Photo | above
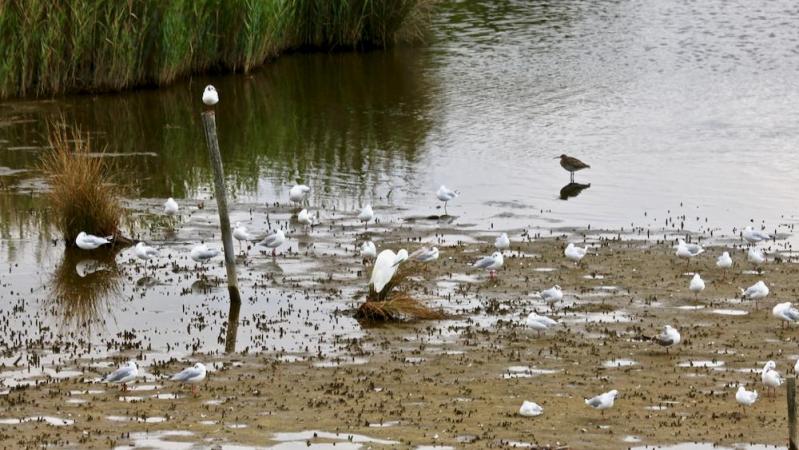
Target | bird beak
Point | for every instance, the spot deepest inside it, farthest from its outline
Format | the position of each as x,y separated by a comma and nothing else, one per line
557,157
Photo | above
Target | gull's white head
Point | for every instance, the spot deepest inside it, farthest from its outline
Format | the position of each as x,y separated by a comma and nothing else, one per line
614,393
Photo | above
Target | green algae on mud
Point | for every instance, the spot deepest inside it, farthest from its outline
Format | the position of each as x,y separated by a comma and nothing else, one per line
56,47
467,378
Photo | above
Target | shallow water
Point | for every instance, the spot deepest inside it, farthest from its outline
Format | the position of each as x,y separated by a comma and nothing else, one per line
686,113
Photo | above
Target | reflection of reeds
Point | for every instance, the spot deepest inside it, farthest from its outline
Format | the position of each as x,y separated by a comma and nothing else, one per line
83,300
51,47
81,195
388,305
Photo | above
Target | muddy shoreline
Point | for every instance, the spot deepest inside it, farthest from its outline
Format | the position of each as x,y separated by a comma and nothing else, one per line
461,383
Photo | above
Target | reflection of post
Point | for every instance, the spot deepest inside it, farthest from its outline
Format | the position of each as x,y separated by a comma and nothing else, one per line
209,121
792,413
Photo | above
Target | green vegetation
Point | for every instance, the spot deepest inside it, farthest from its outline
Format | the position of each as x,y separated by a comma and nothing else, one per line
58,46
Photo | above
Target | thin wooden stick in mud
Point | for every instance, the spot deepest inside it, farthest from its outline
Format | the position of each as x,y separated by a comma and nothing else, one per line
209,122
792,413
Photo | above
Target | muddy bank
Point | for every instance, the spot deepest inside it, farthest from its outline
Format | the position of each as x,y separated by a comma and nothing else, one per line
460,383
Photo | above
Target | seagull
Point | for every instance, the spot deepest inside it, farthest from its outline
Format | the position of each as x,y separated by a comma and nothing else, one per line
602,401
298,193
755,256
303,217
756,291
145,252
91,242
191,375
123,375
490,263
553,294
366,215
502,242
669,337
445,195
241,234
425,254
697,285
572,165
530,409
202,254
210,96
744,397
688,250
785,312
368,250
539,323
273,240
724,261
171,207
384,269
575,253
753,236
771,378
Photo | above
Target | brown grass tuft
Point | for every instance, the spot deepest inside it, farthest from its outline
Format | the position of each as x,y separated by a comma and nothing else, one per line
81,196
400,306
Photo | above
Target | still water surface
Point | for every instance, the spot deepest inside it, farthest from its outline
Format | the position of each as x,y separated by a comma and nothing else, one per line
679,107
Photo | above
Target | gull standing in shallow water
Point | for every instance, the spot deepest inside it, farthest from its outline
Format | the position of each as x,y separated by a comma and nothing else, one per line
210,96
191,375
299,193
688,251
602,401
785,312
755,292
202,254
91,242
145,252
123,375
368,250
425,254
539,323
304,217
502,242
696,285
171,207
366,215
770,377
575,253
273,240
744,397
490,263
240,233
445,195
669,337
553,294
753,236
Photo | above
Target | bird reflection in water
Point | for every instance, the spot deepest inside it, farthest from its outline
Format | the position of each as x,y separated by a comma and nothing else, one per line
572,190
83,286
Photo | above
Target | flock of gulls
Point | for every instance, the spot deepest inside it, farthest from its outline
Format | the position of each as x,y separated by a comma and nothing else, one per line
386,263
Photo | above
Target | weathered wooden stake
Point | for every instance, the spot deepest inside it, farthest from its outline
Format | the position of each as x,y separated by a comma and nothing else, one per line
209,122
792,413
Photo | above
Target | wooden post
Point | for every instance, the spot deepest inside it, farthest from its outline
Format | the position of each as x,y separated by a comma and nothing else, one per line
792,413
209,122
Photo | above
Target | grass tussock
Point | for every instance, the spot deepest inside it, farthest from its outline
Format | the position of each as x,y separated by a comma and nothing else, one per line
390,305
58,46
81,195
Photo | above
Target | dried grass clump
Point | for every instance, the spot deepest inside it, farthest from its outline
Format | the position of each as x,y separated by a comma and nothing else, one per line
81,196
387,305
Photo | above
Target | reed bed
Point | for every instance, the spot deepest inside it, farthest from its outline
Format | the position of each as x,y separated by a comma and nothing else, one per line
82,196
60,46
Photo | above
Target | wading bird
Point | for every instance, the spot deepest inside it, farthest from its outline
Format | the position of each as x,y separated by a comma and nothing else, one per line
91,242
273,240
602,401
696,285
490,263
123,375
299,193
240,233
445,195
145,252
753,236
191,375
744,397
574,253
539,323
572,165
553,294
502,242
786,313
366,215
171,207
384,269
669,337
770,377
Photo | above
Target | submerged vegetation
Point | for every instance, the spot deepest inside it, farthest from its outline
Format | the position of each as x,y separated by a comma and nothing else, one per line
81,194
58,46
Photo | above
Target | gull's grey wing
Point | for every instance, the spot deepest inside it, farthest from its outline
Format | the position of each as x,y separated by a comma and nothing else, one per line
122,372
594,402
186,374
484,262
